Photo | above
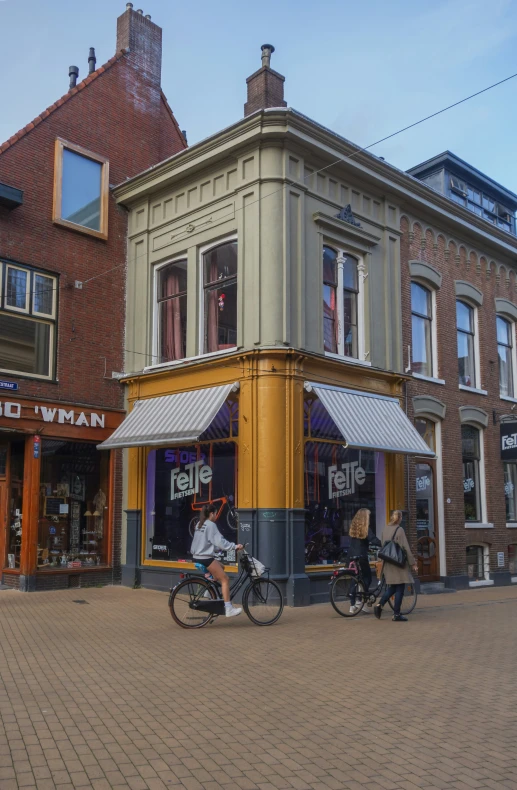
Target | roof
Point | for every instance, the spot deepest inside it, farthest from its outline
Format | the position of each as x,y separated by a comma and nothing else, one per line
448,159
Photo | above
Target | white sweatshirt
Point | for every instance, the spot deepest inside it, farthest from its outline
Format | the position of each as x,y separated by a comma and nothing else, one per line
207,540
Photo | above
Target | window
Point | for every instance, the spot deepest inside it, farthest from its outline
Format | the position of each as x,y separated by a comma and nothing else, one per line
471,455
466,348
481,204
81,188
220,298
505,333
421,328
510,491
171,296
512,558
27,321
478,563
340,303
427,429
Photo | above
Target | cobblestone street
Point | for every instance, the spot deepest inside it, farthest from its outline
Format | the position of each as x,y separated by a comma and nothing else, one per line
110,693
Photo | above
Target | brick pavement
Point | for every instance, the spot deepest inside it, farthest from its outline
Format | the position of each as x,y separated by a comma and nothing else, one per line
112,694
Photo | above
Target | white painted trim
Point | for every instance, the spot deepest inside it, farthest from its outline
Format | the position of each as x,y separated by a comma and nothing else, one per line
482,583
478,524
352,360
440,525
27,272
154,317
472,389
482,480
434,335
428,378
507,398
201,301
177,362
477,365
511,525
513,579
362,273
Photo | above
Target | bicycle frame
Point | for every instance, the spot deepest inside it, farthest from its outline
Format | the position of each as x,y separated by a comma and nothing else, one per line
217,606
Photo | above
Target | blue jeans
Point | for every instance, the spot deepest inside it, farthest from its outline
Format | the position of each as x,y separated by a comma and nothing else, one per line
398,591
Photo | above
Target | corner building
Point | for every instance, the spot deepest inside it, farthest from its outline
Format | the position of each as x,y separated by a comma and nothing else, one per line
266,297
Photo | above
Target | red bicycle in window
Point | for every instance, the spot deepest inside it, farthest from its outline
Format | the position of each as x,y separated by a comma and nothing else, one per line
221,502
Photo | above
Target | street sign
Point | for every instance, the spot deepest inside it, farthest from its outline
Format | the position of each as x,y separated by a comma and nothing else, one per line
8,385
508,444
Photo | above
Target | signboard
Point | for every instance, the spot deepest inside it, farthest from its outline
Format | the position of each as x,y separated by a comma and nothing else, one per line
8,385
37,446
500,559
508,444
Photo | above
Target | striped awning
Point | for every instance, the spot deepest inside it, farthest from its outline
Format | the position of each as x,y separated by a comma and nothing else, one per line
169,419
370,422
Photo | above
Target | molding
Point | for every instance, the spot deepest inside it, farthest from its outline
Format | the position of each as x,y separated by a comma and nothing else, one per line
478,525
468,291
475,390
427,404
474,416
423,271
506,309
430,379
362,239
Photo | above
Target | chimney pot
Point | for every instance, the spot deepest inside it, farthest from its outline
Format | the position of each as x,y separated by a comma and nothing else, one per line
142,38
129,6
73,73
267,51
92,60
139,11
184,133
148,16
265,86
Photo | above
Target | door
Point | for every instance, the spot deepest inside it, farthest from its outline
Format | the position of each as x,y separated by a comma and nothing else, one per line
427,538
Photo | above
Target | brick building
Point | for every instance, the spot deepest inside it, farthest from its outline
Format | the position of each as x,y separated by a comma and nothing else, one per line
63,254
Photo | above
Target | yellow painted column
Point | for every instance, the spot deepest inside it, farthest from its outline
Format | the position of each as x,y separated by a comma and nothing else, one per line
395,491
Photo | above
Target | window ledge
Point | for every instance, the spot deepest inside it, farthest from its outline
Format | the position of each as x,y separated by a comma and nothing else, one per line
472,389
352,360
507,397
482,583
428,378
175,362
511,525
479,525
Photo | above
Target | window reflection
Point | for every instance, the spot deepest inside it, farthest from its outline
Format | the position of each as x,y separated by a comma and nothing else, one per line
81,190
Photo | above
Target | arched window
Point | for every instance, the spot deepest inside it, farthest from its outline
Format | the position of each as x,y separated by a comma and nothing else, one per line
421,330
426,429
220,297
171,294
505,334
465,326
471,455
340,303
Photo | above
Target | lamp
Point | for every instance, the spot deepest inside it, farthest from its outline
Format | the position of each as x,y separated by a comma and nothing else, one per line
96,513
87,513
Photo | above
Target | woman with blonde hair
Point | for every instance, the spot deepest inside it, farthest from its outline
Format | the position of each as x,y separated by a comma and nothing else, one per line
396,578
361,538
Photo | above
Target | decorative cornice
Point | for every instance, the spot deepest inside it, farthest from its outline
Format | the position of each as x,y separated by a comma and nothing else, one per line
361,237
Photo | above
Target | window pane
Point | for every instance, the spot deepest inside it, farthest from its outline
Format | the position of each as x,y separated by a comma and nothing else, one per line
476,563
474,195
505,371
350,273
420,300
503,331
350,323
471,490
220,317
421,346
457,198
329,265
476,209
469,442
172,279
43,294
464,317
488,203
16,288
490,217
329,319
173,329
24,345
81,190
466,370
426,430
510,491
220,263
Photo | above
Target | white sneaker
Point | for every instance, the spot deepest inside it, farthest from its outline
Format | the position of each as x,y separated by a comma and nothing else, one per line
354,609
233,612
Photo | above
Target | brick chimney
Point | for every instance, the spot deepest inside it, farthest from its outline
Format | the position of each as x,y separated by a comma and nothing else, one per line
143,38
265,86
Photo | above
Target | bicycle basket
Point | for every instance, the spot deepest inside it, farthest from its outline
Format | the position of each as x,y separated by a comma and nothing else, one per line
257,568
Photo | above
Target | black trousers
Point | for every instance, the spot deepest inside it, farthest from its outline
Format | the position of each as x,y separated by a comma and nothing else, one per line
398,591
366,573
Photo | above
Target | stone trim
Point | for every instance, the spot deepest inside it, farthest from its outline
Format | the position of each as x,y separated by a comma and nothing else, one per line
424,405
505,308
423,271
474,416
468,291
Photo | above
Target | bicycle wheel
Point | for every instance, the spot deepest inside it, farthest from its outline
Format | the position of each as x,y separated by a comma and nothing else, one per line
408,601
341,594
192,525
263,602
181,598
232,519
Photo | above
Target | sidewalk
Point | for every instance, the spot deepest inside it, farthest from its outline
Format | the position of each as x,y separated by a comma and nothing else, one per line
110,693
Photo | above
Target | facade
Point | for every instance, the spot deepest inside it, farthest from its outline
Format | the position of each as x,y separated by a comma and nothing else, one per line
62,259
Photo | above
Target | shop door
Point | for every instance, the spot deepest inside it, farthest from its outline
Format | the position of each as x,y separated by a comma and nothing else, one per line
427,538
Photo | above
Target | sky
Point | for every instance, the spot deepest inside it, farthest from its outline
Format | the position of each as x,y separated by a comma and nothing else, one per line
363,69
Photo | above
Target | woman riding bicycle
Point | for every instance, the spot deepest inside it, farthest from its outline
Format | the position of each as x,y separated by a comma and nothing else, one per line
206,544
362,538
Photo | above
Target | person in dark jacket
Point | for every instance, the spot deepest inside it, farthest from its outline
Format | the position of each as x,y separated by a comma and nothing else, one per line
361,538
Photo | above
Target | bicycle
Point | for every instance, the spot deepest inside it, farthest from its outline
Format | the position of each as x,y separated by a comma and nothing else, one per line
196,601
348,583
232,518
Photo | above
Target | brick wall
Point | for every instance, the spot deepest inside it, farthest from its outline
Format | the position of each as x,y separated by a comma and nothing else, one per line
265,89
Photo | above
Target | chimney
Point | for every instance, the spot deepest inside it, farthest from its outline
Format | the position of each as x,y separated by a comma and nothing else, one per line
73,73
92,60
137,33
265,86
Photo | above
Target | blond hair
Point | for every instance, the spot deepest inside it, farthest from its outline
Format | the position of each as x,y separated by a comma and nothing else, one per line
396,518
360,524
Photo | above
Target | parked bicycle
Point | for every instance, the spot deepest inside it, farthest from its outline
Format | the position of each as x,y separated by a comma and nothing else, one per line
221,502
348,584
196,601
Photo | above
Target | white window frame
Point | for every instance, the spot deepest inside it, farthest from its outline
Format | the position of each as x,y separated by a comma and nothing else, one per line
25,310
48,316
341,254
483,524
511,398
477,366
487,581
434,332
201,296
156,318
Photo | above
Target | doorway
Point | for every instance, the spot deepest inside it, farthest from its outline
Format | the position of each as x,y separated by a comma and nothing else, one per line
427,538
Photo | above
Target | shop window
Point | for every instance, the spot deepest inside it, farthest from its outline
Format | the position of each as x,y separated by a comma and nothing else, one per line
27,321
421,330
171,296
73,506
505,351
426,428
318,424
471,454
15,503
338,482
478,563
510,491
341,303
180,480
81,189
512,558
465,330
220,298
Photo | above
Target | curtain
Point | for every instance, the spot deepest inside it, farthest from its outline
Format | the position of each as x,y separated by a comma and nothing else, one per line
172,335
212,333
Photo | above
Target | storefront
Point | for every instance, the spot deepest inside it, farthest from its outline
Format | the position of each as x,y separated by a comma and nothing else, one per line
286,460
56,494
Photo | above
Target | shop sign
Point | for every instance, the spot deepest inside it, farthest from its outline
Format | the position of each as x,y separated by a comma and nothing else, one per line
186,483
343,483
509,441
13,411
468,485
8,385
423,482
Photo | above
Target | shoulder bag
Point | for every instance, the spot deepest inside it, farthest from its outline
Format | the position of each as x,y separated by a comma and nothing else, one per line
393,553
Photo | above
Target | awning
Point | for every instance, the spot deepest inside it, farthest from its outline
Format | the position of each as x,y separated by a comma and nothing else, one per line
370,422
170,418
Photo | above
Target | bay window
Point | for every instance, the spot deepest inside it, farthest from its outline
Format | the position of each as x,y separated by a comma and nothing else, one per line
171,294
220,298
341,303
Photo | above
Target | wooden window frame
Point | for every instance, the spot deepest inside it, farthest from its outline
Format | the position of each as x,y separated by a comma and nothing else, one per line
60,146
